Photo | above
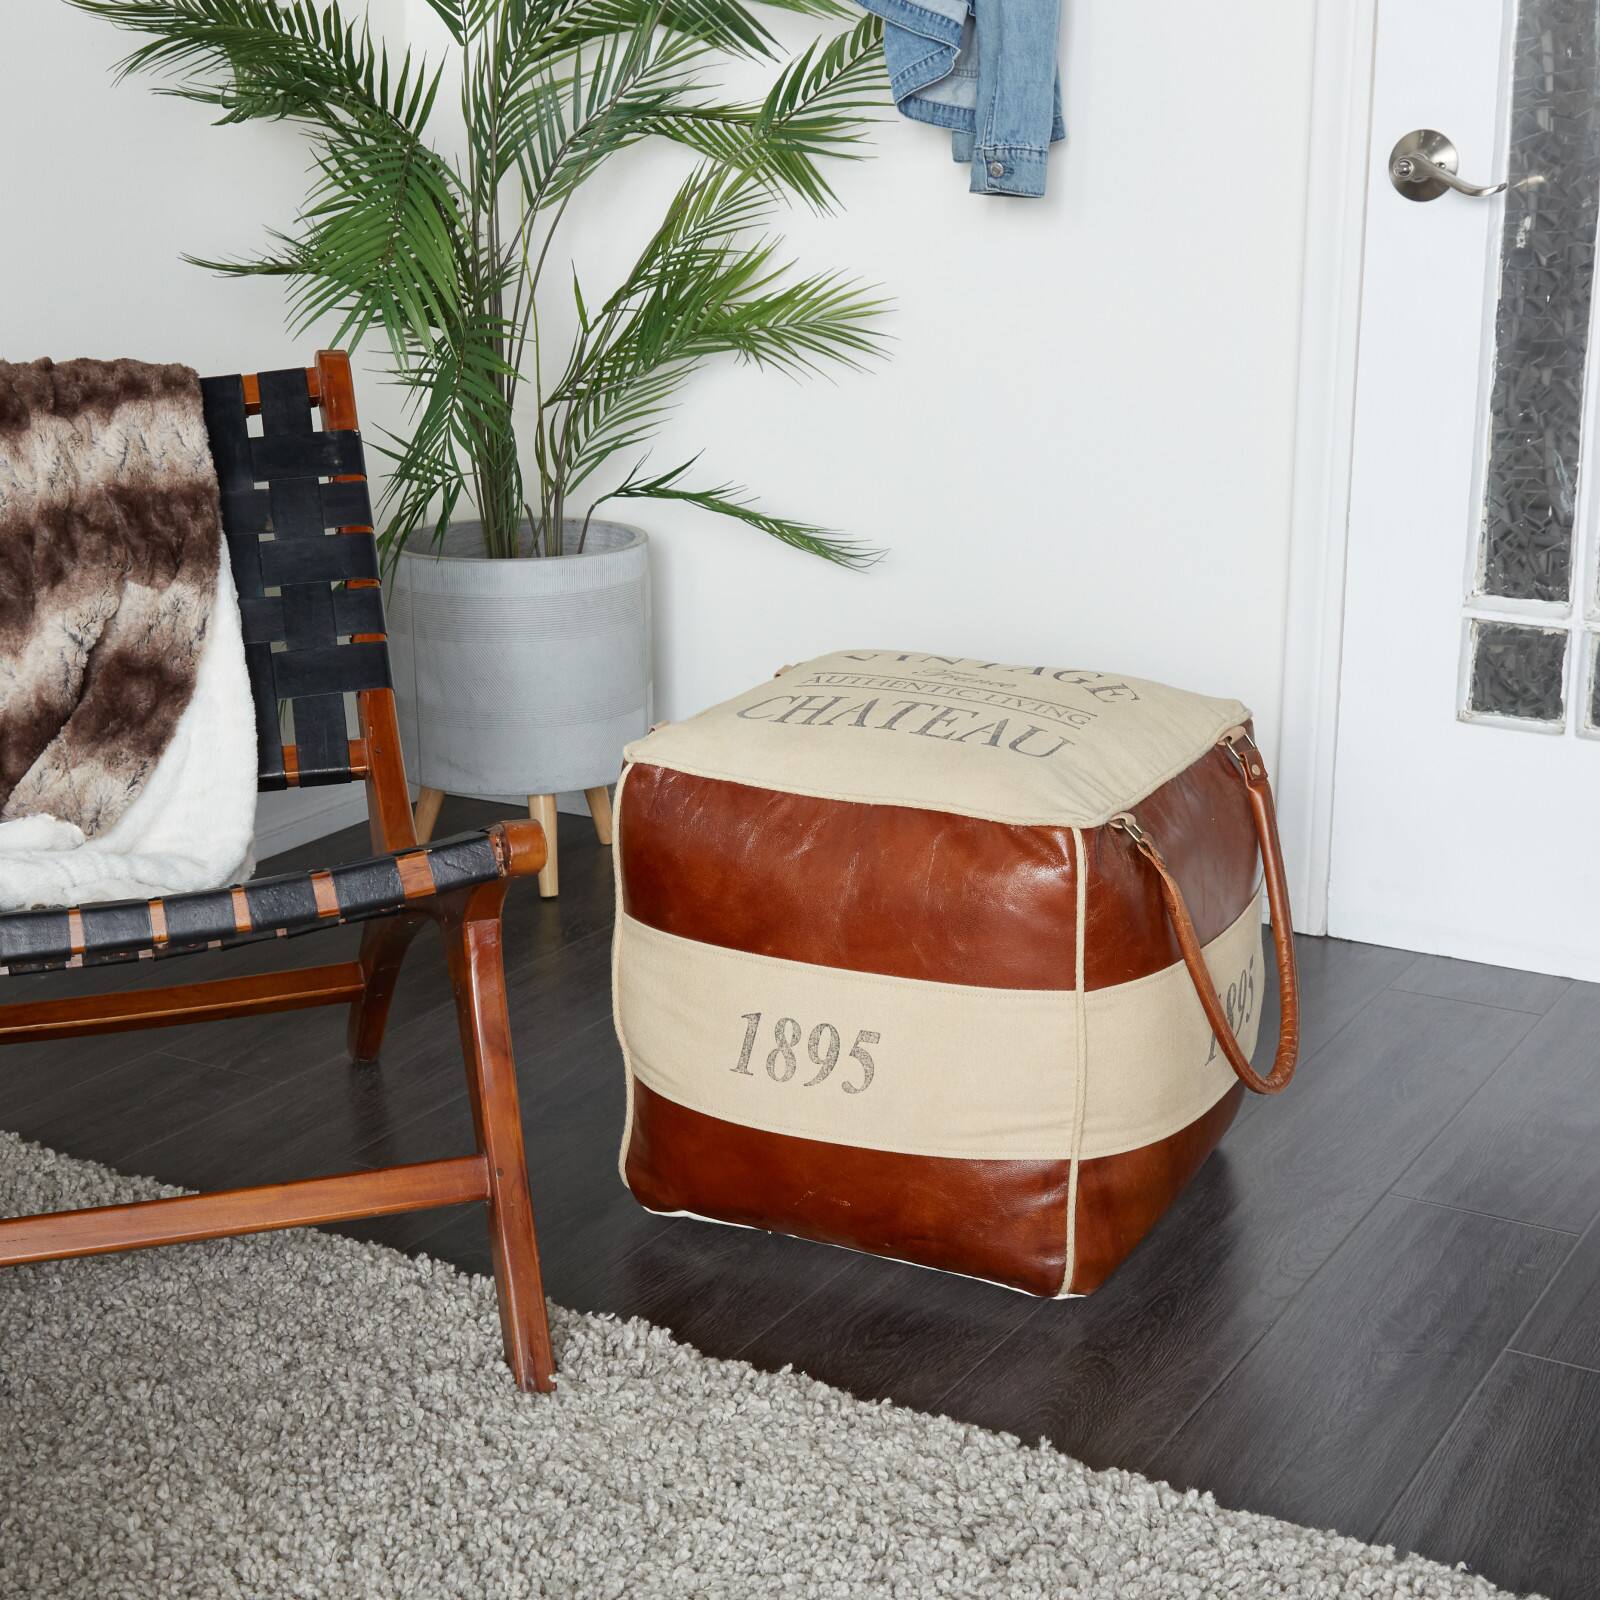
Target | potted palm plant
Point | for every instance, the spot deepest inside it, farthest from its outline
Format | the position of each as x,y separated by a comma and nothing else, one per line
519,618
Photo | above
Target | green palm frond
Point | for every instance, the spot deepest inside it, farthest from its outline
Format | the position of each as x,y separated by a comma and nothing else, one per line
814,113
732,500
712,207
832,10
799,325
256,58
559,128
384,242
450,14
459,402
623,418
725,26
701,286
445,258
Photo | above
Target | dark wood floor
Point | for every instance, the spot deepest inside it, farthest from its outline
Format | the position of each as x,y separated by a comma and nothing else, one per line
1377,1308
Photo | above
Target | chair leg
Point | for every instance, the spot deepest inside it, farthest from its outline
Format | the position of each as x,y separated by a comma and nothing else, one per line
383,949
542,808
600,809
428,803
477,969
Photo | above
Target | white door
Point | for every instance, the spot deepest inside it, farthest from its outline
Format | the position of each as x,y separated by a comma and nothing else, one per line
1466,813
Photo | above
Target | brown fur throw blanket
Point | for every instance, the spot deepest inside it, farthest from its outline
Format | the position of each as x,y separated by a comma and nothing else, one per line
127,735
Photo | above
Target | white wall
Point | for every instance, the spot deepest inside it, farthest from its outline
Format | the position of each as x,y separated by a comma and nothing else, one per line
106,187
1080,449
1078,453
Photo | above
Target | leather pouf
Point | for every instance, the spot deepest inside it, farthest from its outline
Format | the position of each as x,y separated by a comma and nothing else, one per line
944,960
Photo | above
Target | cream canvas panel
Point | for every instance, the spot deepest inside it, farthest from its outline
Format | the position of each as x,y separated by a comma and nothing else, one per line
1039,745
920,1068
1154,1065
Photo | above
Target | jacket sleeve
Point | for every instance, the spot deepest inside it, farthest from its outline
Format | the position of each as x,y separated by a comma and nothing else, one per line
1018,112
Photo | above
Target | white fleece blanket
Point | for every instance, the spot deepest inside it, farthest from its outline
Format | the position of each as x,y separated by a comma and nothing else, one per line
193,824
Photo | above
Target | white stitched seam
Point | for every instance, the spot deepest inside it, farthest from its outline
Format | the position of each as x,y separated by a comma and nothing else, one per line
1080,1087
638,753
616,975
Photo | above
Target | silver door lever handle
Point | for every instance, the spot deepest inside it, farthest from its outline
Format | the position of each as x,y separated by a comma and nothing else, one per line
1422,166
1418,169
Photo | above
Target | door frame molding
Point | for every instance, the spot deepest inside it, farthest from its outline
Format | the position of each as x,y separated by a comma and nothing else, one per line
1330,334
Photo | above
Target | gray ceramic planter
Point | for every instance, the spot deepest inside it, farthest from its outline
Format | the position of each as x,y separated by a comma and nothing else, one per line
523,677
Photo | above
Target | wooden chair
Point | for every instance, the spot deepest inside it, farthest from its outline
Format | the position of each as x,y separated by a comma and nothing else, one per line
312,610
541,807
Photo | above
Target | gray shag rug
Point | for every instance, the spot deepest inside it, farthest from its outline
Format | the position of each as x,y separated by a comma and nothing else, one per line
303,1415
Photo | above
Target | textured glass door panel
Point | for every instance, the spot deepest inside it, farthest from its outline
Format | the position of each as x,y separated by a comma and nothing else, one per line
1518,671
1592,699
1542,317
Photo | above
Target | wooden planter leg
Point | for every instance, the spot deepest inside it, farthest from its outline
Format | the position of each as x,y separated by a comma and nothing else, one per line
542,808
383,949
478,973
428,803
600,809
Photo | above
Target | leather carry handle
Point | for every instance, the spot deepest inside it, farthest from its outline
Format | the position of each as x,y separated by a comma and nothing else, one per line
1253,769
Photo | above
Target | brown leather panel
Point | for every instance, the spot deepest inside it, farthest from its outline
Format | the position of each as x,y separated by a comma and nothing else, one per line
890,889
926,894
416,874
326,895
1001,1220
1122,1197
1202,822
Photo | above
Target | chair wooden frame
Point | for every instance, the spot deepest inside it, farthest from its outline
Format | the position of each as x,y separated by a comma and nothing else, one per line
469,919
542,808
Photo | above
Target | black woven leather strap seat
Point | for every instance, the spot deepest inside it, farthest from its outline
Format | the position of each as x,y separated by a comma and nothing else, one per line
310,605
265,908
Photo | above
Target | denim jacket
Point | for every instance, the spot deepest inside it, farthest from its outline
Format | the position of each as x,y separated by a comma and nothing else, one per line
985,69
